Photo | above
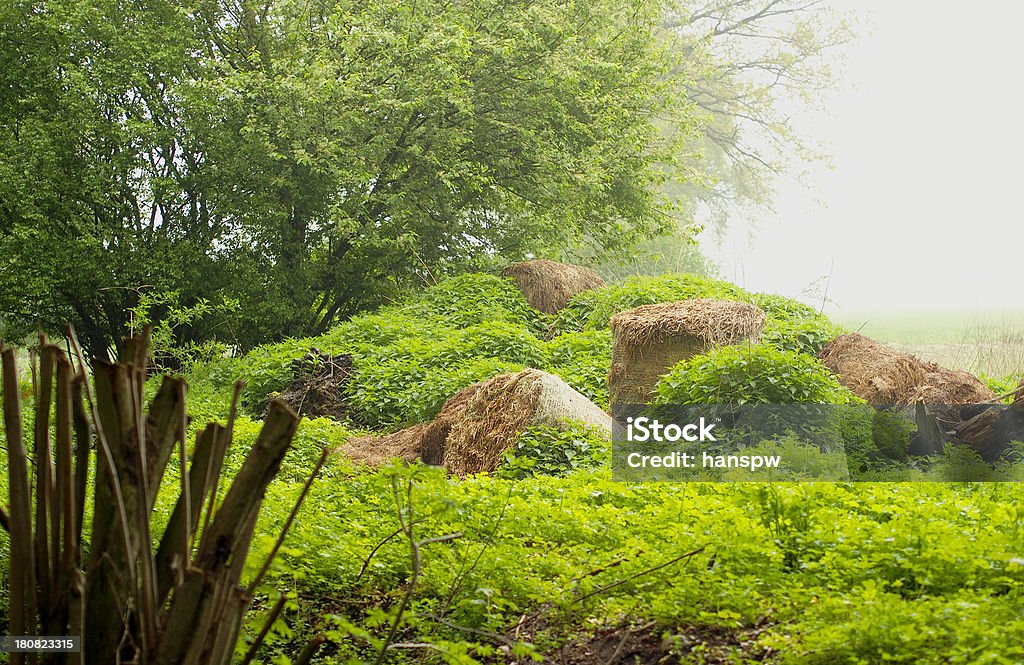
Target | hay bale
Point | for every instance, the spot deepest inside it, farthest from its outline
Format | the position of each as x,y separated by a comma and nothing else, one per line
872,371
549,285
479,423
649,340
882,375
959,387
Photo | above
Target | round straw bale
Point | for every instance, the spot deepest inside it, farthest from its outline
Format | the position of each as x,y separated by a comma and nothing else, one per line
649,340
549,285
480,422
882,375
873,372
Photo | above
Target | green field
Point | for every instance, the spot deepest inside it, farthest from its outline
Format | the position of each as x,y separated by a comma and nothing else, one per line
989,342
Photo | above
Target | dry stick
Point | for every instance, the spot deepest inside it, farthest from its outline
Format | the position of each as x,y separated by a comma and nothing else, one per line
288,522
104,454
464,571
22,585
414,553
186,488
66,545
275,612
306,655
83,439
44,482
640,574
148,602
369,557
228,438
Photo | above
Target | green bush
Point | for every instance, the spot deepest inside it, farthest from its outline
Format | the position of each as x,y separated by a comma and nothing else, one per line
794,326
553,451
808,336
582,359
569,347
751,374
475,298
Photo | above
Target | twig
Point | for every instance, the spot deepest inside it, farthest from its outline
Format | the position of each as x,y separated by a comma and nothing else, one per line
271,618
366,562
640,574
414,555
288,523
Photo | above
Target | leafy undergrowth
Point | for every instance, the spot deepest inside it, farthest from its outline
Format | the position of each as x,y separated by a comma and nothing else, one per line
410,358
559,566
552,559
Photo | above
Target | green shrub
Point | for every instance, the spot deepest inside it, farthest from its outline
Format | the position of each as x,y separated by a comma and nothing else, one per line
751,374
591,310
794,326
382,328
808,336
570,346
475,298
582,359
409,390
498,339
553,451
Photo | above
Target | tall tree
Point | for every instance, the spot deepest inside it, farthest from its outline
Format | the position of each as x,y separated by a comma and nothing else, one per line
305,159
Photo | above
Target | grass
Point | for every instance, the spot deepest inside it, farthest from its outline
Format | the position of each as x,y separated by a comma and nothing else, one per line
989,342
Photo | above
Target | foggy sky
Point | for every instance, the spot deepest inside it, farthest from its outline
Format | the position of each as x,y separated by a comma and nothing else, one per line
923,210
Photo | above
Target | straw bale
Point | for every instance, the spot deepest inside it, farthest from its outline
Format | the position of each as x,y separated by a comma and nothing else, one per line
882,375
548,285
479,423
649,340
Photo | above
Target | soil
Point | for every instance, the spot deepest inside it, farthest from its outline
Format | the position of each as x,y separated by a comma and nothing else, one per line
318,389
649,644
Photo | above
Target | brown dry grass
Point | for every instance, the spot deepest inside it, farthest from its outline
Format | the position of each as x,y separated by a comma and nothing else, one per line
714,322
883,375
549,285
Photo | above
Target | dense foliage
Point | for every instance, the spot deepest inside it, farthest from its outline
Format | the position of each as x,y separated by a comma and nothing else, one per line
292,163
411,357
751,373
551,550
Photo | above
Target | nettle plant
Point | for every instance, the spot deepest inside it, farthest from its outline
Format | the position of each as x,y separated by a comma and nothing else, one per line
751,374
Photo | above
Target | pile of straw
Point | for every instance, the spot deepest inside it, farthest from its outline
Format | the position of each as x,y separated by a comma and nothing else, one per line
649,340
882,375
548,285
479,423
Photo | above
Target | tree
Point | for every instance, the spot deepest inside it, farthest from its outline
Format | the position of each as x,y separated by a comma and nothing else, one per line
307,159
749,65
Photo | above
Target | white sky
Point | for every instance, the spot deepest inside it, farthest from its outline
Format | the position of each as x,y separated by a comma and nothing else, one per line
923,210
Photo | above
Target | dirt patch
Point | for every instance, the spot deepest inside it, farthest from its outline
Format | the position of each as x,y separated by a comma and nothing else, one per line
650,643
318,389
549,285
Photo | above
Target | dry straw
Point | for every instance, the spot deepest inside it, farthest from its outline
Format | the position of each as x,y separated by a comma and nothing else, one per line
548,285
649,340
480,422
882,375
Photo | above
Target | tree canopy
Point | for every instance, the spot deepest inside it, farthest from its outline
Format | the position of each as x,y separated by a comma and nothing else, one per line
305,159
253,169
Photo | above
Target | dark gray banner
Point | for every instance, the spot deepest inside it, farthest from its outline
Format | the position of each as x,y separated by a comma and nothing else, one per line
814,442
